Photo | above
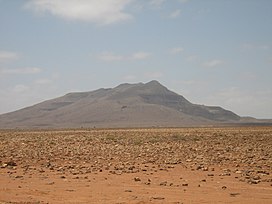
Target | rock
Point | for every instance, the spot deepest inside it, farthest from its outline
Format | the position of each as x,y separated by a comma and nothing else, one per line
51,183
70,190
137,179
147,183
225,174
184,184
11,163
198,167
252,181
41,171
158,198
224,187
256,178
234,194
4,165
163,183
262,172
131,167
119,173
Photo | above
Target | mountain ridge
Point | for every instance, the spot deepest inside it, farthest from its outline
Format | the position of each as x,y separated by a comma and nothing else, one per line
126,105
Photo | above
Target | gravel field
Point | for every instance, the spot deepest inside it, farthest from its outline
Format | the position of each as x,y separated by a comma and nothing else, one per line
112,164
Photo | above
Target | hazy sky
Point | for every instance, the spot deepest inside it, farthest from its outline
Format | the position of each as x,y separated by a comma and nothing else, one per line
213,52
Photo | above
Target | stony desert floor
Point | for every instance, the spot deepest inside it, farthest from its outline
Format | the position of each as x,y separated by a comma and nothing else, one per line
186,165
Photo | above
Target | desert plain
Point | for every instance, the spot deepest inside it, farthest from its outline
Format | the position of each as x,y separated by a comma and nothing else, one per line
152,165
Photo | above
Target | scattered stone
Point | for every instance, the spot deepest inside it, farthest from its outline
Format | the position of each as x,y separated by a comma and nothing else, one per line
225,174
4,165
119,173
262,172
234,194
198,167
224,187
51,183
147,183
158,198
11,163
70,190
247,151
41,171
137,179
256,178
252,181
163,183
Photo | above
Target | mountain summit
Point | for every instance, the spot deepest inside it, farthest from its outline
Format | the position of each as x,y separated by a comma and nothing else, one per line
127,105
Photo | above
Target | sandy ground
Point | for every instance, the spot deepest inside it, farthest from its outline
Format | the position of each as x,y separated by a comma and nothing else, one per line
160,187
25,178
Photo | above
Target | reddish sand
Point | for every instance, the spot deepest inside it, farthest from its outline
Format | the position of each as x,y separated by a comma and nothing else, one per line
158,187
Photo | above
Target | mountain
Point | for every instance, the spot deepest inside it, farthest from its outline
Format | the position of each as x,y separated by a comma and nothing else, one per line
127,105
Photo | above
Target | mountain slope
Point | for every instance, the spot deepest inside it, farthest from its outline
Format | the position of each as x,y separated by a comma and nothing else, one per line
127,105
